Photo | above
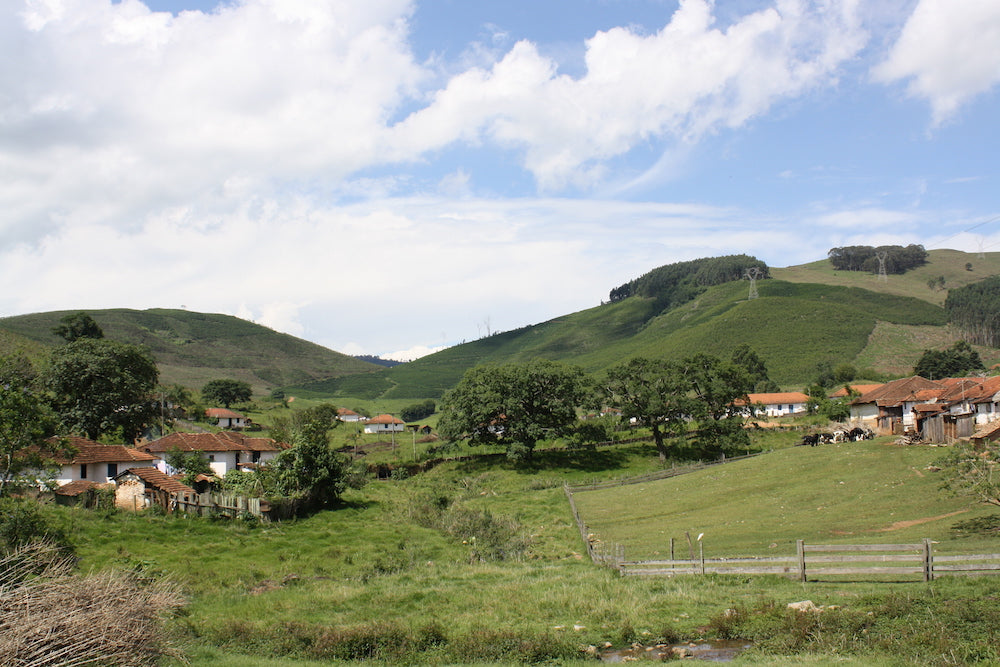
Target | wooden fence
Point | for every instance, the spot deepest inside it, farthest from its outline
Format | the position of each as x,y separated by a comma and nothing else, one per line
208,504
815,562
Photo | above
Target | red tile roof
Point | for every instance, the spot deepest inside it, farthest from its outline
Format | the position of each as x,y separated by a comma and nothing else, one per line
158,479
213,442
778,398
385,419
88,451
222,413
858,388
898,391
76,487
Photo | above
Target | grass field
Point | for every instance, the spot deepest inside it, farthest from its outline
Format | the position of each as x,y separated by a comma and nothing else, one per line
394,575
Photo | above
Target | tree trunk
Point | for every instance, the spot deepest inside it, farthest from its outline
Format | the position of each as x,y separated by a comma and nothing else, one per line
658,439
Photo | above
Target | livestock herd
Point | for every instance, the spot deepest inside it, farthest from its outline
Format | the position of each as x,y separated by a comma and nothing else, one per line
842,435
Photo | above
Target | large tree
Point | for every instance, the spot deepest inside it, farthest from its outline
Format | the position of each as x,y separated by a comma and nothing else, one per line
98,386
25,424
654,393
226,391
721,391
514,405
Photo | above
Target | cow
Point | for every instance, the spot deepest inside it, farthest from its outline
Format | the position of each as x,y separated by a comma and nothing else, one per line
810,439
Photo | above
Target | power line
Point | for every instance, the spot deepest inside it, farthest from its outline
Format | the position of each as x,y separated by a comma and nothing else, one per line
980,224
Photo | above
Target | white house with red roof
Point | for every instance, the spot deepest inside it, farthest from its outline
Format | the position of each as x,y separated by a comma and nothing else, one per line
779,404
225,451
98,463
345,415
385,424
226,418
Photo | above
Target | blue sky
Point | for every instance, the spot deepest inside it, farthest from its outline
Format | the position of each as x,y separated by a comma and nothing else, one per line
393,176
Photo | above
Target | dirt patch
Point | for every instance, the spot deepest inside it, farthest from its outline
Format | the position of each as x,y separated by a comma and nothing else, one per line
916,522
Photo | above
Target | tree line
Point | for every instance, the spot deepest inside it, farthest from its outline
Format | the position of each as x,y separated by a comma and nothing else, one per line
898,259
678,283
975,310
698,402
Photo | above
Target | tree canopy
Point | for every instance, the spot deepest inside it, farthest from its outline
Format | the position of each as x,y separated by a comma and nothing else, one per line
76,326
25,423
226,391
865,258
958,360
99,385
514,405
668,395
678,283
975,310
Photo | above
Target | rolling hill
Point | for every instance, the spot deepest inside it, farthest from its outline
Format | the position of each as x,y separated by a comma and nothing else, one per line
191,348
804,315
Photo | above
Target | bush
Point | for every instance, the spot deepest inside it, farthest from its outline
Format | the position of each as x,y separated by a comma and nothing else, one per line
22,523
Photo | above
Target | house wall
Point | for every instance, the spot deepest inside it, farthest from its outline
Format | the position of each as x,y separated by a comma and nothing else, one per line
384,428
866,414
129,494
97,472
783,409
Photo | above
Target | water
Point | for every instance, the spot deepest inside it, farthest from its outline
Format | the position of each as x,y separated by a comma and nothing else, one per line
718,650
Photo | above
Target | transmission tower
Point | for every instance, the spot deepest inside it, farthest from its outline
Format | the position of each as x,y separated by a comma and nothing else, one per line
880,256
752,274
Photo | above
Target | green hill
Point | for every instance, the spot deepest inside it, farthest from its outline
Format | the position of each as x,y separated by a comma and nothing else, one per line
191,348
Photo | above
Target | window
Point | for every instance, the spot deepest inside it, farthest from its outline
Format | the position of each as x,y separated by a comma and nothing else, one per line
83,471
112,469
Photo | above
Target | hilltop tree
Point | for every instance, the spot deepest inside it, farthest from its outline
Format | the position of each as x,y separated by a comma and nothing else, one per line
99,385
653,392
226,391
25,423
514,405
76,326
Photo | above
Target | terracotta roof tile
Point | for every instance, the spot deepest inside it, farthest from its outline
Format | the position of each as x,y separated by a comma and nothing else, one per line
88,451
213,442
158,479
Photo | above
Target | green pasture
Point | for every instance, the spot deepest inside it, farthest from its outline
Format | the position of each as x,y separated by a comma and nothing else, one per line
376,581
846,493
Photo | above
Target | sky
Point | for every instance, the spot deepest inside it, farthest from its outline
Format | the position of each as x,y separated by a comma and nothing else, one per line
390,177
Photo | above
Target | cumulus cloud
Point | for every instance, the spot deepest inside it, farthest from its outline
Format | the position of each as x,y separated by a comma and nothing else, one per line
686,79
948,51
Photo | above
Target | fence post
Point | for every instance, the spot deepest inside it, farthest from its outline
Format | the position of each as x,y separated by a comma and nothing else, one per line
671,553
701,553
800,547
928,560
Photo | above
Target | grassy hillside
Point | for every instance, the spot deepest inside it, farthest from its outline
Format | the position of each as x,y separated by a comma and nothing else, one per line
191,348
947,263
792,326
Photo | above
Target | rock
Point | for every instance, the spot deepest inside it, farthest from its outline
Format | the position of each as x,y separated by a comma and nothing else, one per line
680,652
805,605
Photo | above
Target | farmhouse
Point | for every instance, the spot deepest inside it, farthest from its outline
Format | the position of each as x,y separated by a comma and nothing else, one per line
226,418
779,404
889,407
345,415
385,424
225,451
97,463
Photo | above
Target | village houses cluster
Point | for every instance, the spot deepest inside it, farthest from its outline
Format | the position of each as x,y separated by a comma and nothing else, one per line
141,475
938,411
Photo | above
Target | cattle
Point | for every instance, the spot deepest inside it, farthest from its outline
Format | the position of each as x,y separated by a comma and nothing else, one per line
810,439
857,433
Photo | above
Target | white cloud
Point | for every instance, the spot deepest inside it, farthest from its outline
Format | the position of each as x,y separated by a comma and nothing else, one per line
687,79
949,50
